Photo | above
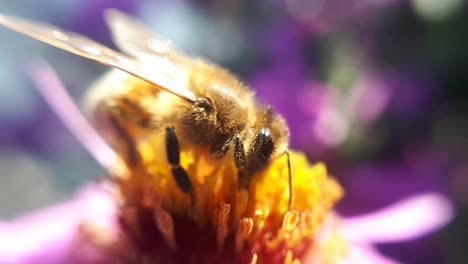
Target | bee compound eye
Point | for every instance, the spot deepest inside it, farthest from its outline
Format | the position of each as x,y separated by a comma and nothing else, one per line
204,103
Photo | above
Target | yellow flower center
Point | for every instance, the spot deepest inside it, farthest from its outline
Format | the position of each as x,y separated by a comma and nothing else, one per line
255,221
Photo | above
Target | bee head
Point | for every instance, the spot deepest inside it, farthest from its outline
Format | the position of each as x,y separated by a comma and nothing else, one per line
270,139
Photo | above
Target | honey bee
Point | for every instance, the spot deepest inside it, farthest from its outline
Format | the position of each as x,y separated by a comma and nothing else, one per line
198,105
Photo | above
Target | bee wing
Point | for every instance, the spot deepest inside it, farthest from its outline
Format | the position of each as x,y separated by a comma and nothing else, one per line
136,39
153,73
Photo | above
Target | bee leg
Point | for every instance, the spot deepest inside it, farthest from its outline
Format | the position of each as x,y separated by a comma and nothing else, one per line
257,156
132,156
173,157
127,110
239,159
260,153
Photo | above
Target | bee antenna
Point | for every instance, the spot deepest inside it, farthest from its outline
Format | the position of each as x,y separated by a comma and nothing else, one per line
289,179
286,152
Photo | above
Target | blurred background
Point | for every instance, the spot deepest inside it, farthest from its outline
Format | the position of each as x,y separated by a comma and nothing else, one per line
375,88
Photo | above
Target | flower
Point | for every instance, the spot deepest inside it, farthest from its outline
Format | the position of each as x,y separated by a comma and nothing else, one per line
324,16
143,216
231,225
240,224
52,235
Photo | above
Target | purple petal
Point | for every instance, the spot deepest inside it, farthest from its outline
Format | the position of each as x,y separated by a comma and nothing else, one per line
51,235
54,92
409,219
327,15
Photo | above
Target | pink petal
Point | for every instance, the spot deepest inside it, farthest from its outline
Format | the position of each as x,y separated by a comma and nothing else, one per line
366,254
409,219
49,235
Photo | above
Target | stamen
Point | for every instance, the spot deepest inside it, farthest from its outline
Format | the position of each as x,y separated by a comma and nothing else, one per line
288,259
290,221
165,225
148,198
242,201
243,231
307,225
223,218
260,217
285,233
254,259
98,234
274,242
130,216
